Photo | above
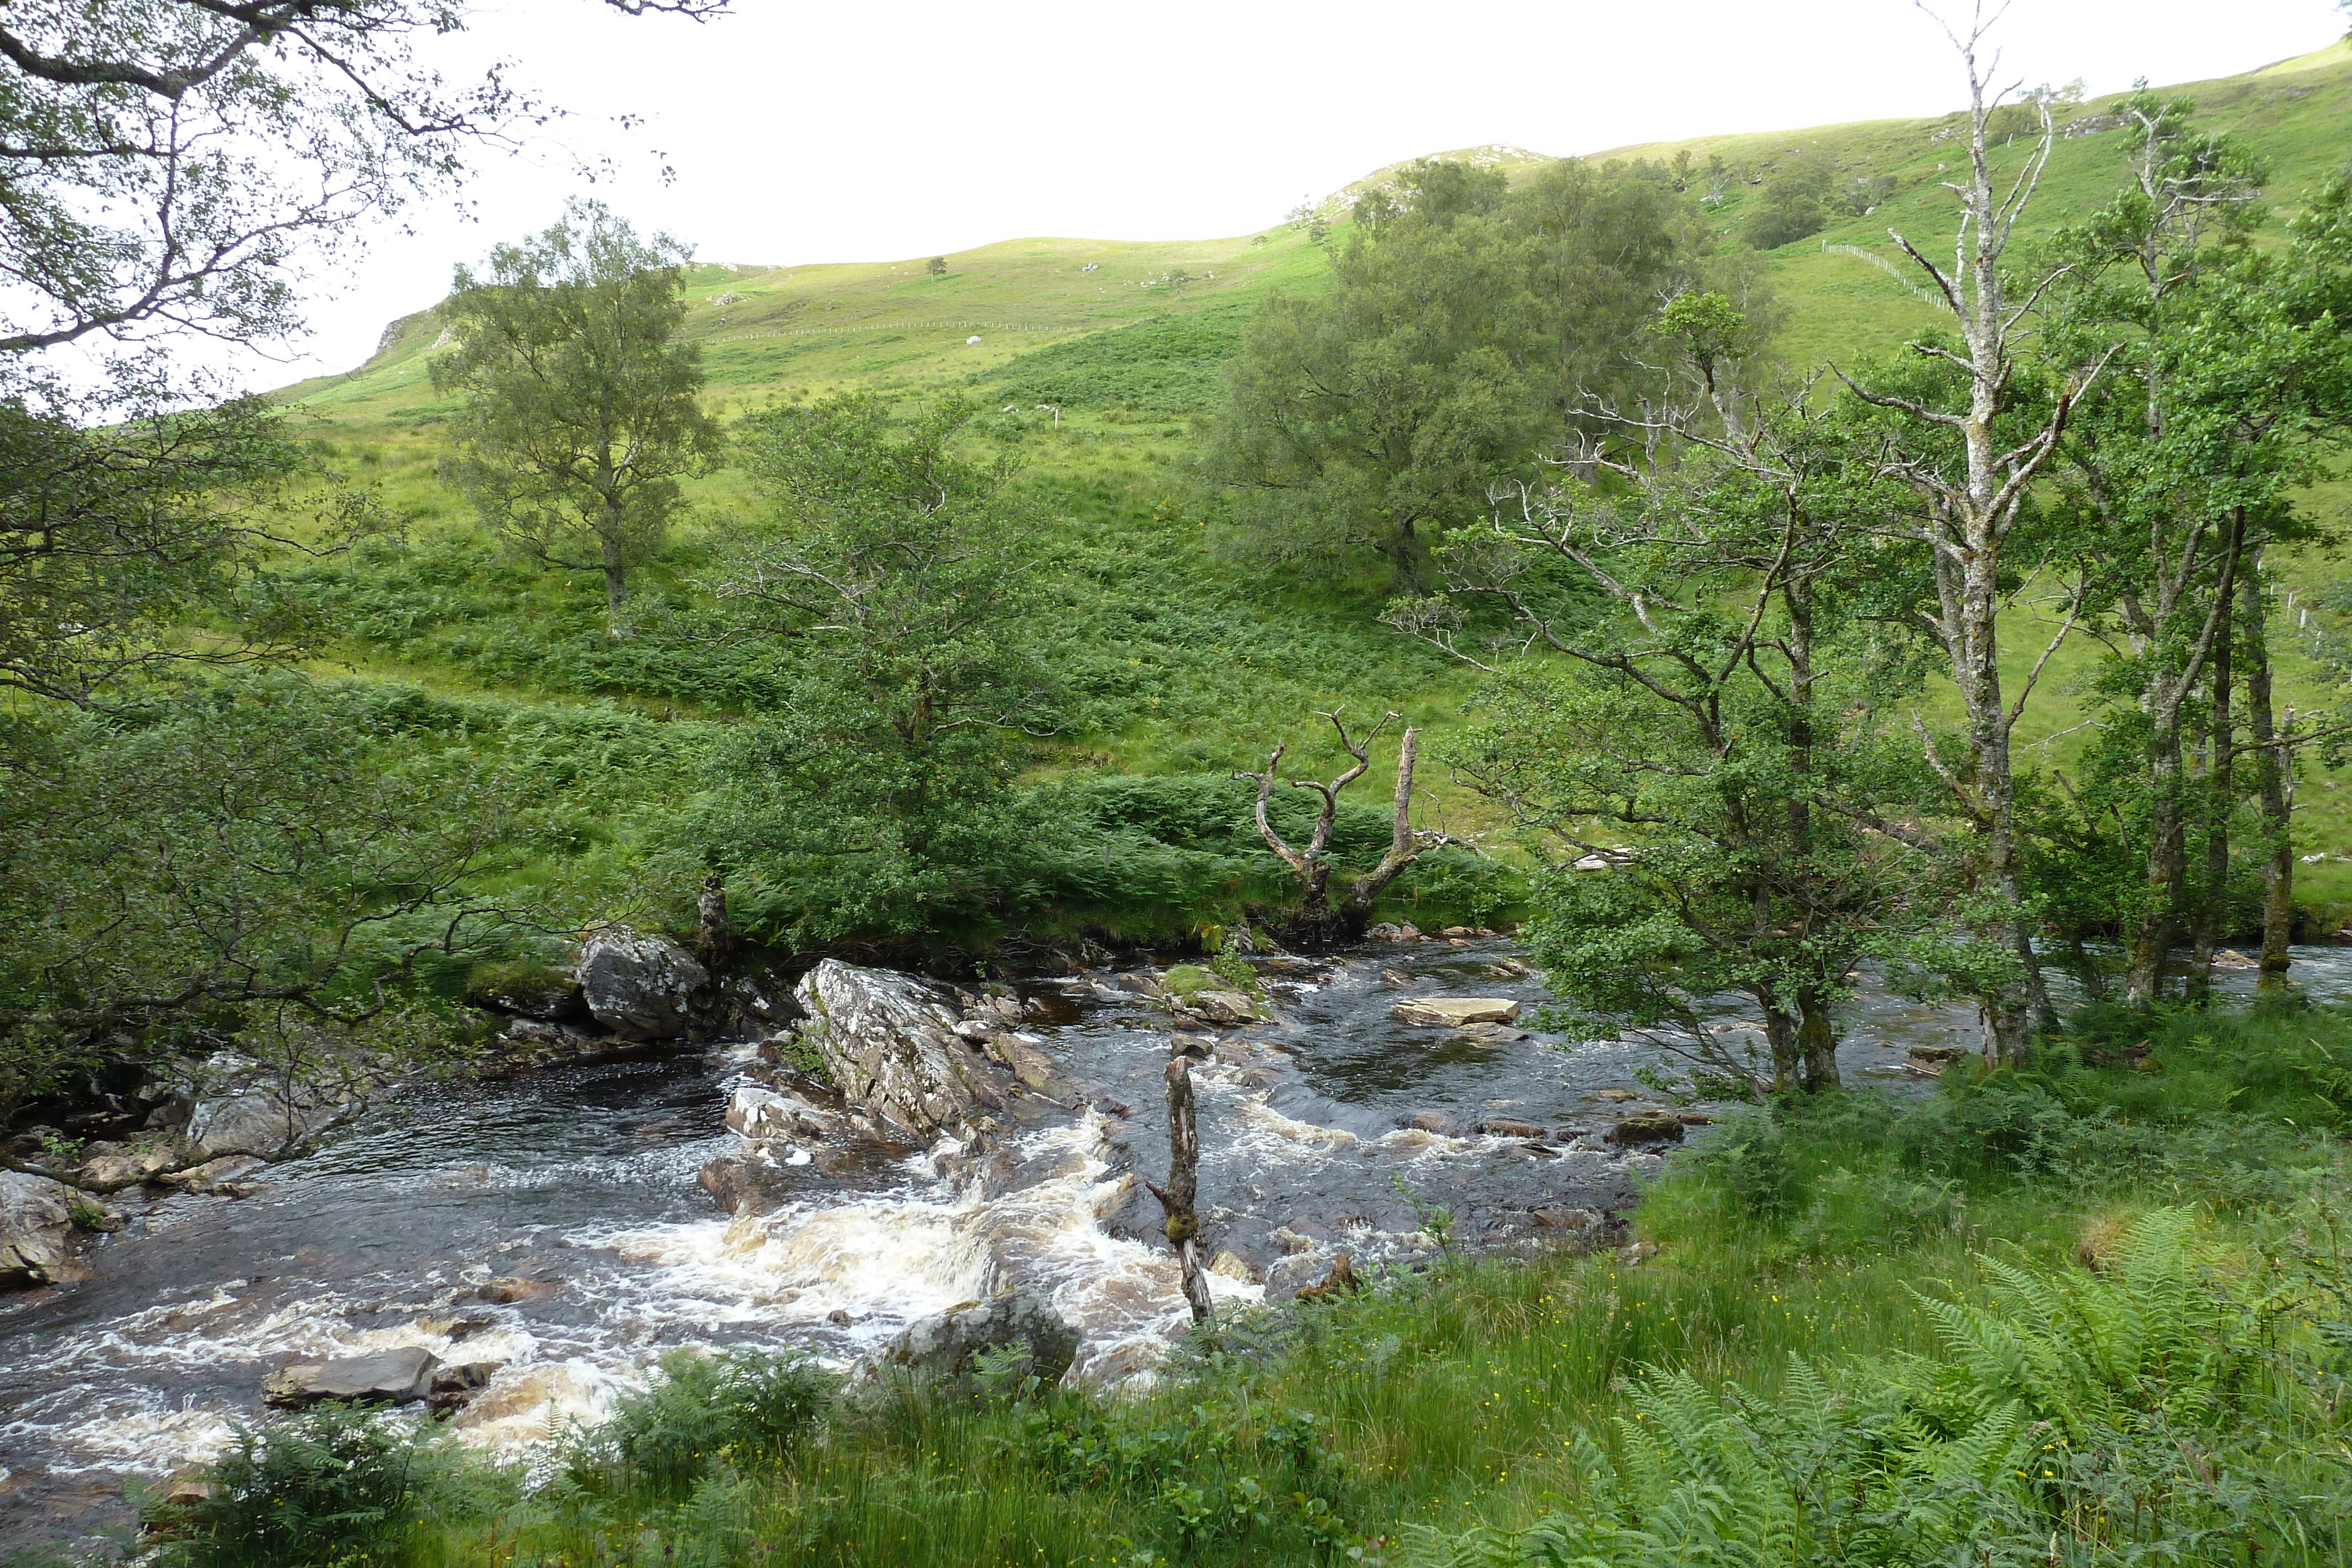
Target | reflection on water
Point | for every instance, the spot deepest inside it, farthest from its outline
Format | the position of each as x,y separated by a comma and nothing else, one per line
582,1178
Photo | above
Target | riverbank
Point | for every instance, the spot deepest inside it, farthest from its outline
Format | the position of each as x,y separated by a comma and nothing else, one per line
2152,1283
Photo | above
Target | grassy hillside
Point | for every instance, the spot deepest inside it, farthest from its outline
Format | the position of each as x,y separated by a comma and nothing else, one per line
1094,356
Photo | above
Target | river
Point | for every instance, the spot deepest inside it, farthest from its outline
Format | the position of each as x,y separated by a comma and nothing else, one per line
582,1179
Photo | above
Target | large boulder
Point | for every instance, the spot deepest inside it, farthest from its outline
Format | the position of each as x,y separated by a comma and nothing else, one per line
639,986
941,1349
261,1122
392,1376
890,1046
36,1217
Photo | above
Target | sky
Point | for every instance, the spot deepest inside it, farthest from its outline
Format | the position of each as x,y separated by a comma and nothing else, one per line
799,132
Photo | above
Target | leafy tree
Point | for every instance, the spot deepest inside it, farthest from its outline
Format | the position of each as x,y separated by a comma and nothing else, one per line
2178,469
197,862
937,266
115,533
1682,712
892,582
582,411
1796,204
161,163
1463,325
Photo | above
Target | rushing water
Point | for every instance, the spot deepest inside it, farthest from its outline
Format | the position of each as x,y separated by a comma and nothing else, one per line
584,1178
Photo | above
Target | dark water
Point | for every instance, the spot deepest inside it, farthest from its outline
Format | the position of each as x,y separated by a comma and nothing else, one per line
582,1178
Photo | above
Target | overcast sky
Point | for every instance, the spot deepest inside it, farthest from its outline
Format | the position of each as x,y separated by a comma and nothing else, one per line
804,133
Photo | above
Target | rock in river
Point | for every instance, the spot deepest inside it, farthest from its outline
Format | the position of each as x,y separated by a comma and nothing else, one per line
891,1047
394,1376
261,1122
939,1348
637,986
1650,1127
35,1228
1455,1011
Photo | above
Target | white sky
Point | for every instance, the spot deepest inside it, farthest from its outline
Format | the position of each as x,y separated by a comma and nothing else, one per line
804,132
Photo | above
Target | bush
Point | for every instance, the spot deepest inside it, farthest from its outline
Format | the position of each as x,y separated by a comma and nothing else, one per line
701,1412
332,1486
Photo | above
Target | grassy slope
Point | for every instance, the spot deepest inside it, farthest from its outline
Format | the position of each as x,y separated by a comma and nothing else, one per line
1252,658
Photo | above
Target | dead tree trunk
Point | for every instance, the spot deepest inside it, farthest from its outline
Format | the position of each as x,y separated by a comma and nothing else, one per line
1312,865
714,937
1183,1225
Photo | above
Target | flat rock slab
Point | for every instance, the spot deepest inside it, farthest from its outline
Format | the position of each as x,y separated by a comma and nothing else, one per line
392,1376
1455,1012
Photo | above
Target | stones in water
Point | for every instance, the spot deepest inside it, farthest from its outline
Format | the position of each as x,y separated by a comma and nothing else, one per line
640,987
1455,1012
399,1376
509,1290
941,1349
1393,931
36,1221
1504,1127
1933,1059
451,1387
1443,1123
1649,1127
890,1046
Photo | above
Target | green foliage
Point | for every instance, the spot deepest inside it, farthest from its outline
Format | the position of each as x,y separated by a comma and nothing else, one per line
701,1414
1796,204
121,520
893,590
333,1488
1170,365
227,854
1463,324
2062,1407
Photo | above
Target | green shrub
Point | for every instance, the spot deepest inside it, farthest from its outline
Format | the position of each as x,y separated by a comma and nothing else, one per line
331,1486
702,1412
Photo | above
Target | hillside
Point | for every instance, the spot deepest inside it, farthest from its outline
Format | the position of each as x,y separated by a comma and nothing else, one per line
1094,356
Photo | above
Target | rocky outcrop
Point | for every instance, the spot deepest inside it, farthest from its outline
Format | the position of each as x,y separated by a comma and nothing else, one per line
640,987
891,1047
392,1376
941,1349
36,1220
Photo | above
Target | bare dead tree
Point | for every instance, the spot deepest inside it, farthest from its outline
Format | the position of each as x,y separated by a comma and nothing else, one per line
1183,1224
1967,514
1313,865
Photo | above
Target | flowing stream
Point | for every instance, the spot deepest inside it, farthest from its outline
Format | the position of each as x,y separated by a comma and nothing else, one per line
581,1180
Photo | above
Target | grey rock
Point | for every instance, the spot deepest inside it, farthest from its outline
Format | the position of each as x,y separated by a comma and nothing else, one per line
36,1231
941,1349
1438,1121
759,1111
261,1122
1224,1007
392,1376
890,1046
638,986
111,1172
